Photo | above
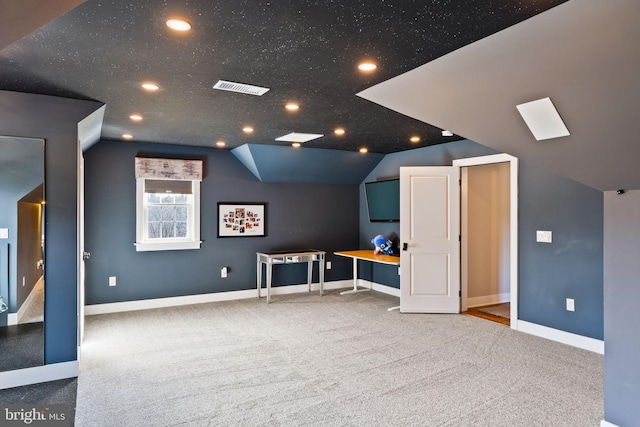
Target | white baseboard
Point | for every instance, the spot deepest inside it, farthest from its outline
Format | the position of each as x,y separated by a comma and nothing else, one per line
377,287
39,374
488,300
585,343
118,307
604,423
12,319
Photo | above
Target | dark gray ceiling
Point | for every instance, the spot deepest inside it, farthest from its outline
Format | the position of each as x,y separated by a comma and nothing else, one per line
304,51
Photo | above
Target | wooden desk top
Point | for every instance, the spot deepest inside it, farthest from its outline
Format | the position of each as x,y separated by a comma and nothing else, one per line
367,255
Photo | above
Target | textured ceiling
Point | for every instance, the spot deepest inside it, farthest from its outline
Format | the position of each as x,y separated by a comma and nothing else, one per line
304,51
582,54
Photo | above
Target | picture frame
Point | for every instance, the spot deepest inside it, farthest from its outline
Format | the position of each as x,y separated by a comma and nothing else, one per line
240,219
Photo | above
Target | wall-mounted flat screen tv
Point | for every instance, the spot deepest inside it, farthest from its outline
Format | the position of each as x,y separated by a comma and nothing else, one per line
383,200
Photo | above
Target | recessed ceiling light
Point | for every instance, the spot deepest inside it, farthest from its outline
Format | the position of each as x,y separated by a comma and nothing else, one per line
367,66
292,106
363,150
221,144
339,131
127,136
414,139
150,86
178,25
447,133
247,129
299,137
296,145
543,119
135,117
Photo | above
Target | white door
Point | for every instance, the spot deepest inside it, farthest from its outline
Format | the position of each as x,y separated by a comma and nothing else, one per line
429,239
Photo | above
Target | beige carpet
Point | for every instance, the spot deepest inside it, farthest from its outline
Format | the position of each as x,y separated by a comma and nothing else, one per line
306,360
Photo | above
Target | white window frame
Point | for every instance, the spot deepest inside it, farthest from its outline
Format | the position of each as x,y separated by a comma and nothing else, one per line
167,244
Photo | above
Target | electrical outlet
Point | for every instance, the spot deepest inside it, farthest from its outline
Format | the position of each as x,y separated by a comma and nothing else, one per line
571,305
223,272
4,233
544,236
112,280
328,265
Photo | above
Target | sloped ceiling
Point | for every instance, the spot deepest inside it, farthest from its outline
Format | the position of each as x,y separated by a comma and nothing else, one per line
582,54
21,17
271,163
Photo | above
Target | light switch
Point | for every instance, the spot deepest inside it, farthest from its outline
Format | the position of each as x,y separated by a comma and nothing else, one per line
4,233
544,236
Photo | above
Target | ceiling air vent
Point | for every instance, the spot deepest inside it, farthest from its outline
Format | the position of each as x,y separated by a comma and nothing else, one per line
240,88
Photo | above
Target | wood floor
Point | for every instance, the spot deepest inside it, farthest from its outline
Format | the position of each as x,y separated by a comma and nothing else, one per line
487,316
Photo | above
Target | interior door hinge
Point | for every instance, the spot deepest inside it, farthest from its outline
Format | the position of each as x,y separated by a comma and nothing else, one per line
460,182
460,293
459,238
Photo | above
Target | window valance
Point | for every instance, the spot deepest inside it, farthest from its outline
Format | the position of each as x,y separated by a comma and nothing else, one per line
175,169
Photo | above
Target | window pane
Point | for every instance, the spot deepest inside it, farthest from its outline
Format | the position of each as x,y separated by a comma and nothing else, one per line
168,213
153,230
166,198
181,213
167,229
182,198
154,213
153,198
181,229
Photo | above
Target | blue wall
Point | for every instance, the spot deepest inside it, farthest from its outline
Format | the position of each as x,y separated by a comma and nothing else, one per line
570,267
622,293
299,216
334,217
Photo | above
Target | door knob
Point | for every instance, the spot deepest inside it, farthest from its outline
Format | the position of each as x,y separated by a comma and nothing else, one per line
404,246
86,255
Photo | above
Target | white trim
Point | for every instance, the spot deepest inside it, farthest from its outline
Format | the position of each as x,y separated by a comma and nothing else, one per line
488,300
190,242
513,219
12,319
575,340
389,290
39,374
117,307
604,423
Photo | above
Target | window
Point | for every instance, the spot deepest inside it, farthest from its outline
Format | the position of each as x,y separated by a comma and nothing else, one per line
167,211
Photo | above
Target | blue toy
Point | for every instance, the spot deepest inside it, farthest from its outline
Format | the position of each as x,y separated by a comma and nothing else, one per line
382,244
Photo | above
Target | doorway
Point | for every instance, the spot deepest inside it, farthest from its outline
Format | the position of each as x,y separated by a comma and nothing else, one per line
489,262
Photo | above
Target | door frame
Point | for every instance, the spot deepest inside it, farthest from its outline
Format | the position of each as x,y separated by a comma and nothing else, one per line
513,225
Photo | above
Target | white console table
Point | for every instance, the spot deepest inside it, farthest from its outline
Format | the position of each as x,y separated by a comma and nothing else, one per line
289,257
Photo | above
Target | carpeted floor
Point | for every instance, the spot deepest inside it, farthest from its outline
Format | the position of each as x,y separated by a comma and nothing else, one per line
306,360
21,346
